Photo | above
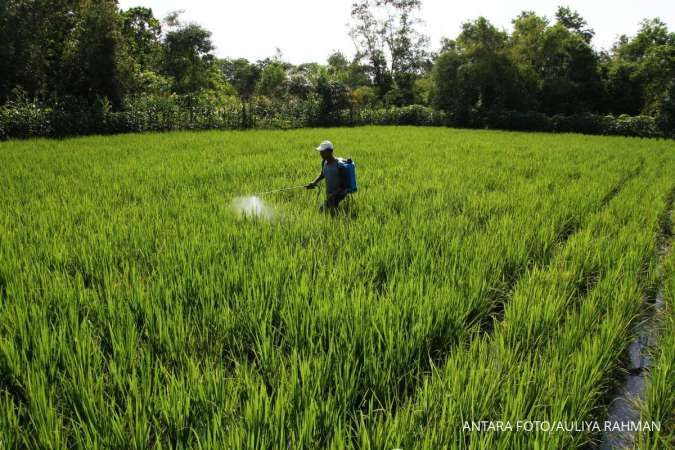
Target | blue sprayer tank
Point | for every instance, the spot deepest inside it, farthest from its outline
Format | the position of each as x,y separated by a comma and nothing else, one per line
349,170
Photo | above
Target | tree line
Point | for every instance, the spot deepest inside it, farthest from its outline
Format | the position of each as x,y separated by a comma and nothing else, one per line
71,55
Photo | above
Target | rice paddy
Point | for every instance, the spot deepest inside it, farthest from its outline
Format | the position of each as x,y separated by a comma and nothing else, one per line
475,276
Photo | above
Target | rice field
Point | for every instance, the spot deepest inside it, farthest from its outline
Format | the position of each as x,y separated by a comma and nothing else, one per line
475,276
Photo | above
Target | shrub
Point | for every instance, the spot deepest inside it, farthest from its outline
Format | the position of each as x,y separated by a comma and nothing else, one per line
24,119
521,121
211,110
581,123
643,126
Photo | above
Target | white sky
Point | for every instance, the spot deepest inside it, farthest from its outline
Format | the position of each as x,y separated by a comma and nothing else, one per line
309,30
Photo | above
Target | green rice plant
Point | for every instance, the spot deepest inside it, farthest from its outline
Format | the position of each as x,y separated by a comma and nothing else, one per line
533,352
658,404
139,310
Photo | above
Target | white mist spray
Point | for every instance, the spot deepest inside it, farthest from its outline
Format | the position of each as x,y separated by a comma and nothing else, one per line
252,206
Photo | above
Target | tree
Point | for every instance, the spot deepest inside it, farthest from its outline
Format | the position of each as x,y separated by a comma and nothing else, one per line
272,79
187,56
652,33
641,73
34,36
333,96
364,96
337,63
446,93
557,68
423,89
349,73
570,78
384,33
90,60
527,53
242,74
573,22
489,76
527,42
142,32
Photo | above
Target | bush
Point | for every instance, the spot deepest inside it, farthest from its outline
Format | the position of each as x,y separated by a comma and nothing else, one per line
640,126
581,123
414,115
209,110
643,126
520,121
404,115
24,119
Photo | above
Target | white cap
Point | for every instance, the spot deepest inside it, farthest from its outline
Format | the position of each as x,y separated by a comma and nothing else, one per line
325,145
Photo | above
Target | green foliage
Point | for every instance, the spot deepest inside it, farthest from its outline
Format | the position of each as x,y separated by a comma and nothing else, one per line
477,73
34,39
386,36
63,57
332,97
91,64
142,32
242,75
422,90
642,71
217,109
552,69
272,80
643,126
350,73
624,125
556,64
573,21
406,115
446,93
659,403
60,48
624,88
337,63
187,57
364,96
24,119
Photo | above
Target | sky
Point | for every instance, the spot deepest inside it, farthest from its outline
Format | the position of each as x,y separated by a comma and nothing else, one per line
310,30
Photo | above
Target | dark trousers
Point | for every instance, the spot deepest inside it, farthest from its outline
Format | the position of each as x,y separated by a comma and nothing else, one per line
332,202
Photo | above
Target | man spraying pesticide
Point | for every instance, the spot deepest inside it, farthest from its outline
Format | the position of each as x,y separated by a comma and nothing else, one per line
340,176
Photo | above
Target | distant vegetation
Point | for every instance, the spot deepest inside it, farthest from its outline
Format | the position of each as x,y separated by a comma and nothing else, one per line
88,67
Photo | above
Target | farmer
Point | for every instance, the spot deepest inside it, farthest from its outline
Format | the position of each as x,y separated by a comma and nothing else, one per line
335,188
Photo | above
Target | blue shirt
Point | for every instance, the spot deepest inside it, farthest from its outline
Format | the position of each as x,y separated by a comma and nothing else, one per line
331,173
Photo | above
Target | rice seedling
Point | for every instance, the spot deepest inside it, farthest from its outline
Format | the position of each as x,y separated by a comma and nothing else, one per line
476,275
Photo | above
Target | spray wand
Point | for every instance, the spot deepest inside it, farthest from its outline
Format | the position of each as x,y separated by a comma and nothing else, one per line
280,190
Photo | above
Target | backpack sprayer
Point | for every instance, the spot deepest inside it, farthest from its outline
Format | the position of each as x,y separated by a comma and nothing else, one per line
349,174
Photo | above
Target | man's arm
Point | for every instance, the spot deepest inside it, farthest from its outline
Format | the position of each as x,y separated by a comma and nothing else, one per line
316,181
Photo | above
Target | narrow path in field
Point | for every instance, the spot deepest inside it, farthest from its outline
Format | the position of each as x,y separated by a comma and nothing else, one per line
624,404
